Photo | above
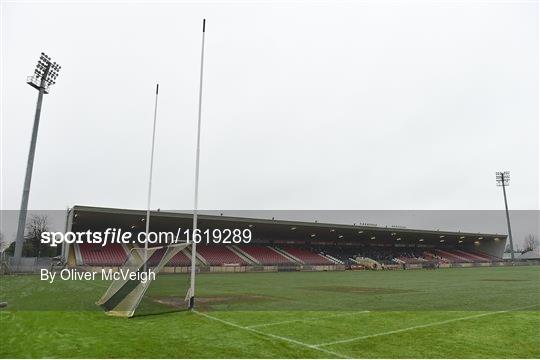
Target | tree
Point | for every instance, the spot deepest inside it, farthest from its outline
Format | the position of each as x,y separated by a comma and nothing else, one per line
531,243
4,243
37,225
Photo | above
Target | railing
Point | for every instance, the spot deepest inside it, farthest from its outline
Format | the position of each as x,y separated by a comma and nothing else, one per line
35,82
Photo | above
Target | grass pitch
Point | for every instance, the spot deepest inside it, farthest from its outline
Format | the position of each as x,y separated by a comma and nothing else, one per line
445,313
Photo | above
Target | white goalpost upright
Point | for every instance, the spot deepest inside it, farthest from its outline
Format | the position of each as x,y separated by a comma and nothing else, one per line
150,180
197,155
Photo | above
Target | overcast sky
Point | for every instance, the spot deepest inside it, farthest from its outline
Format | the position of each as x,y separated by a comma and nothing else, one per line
372,105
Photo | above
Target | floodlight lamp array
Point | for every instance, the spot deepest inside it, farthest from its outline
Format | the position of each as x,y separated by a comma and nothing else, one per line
502,178
46,70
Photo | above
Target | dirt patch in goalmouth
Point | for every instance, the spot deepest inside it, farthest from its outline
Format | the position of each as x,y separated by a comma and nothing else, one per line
206,302
360,290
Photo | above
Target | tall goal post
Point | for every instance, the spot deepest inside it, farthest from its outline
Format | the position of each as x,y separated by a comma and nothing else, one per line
149,198
191,293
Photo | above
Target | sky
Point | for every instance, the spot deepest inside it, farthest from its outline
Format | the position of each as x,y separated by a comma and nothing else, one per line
317,106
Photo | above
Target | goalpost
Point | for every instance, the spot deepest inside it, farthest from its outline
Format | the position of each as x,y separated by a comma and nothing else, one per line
191,293
125,294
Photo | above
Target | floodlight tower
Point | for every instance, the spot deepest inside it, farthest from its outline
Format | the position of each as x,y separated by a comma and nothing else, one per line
44,76
503,180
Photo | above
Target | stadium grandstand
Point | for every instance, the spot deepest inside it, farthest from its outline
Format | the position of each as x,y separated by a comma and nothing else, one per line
284,245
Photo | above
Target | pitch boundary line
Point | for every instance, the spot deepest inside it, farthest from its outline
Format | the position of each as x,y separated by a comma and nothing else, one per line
292,341
306,319
421,326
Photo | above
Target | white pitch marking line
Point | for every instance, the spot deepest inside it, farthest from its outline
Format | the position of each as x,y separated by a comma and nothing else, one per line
421,326
313,347
306,319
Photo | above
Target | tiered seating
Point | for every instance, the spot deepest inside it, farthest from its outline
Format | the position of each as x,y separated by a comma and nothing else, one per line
381,255
265,255
430,256
484,257
179,259
463,256
411,259
469,256
450,256
97,255
217,255
345,254
307,256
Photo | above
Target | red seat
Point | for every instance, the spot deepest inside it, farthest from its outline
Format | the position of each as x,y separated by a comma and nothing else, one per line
452,256
179,259
219,255
265,256
486,257
307,256
95,254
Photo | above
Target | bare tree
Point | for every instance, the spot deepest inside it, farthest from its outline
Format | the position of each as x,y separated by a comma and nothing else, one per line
531,243
4,243
37,225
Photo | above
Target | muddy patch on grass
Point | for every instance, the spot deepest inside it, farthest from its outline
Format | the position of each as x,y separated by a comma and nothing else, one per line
503,280
360,290
207,302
